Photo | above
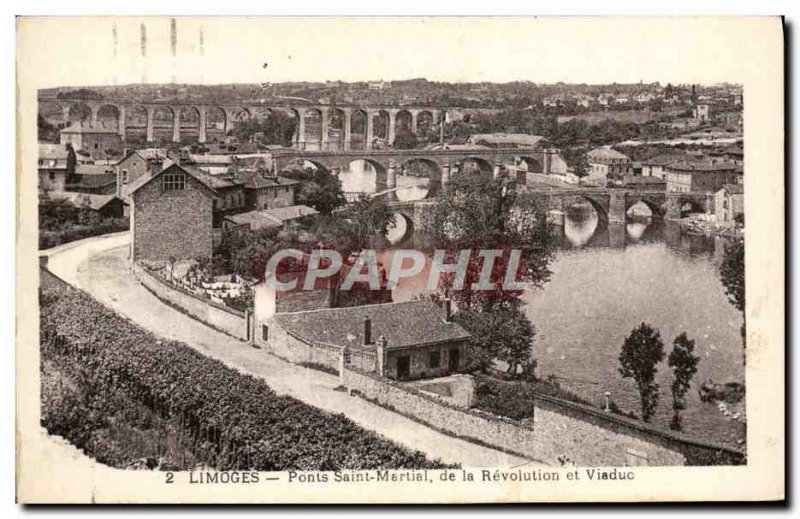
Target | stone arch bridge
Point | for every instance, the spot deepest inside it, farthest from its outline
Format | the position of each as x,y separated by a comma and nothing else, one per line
318,126
444,162
611,205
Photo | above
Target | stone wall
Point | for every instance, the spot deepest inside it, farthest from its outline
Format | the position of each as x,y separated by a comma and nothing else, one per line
168,224
498,432
215,315
287,346
589,436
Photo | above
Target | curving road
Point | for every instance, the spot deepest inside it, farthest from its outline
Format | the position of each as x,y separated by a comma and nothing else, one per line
100,266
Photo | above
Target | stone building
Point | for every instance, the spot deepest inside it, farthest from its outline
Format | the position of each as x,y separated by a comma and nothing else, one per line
402,341
55,167
136,163
729,203
98,141
171,214
607,164
684,177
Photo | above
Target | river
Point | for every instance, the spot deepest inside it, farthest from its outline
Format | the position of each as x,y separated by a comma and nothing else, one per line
606,280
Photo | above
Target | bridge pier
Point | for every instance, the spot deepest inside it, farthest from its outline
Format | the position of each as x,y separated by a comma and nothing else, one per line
348,120
392,132
201,130
370,130
95,114
617,207
176,125
445,174
150,123
325,123
121,122
301,129
497,170
414,115
391,175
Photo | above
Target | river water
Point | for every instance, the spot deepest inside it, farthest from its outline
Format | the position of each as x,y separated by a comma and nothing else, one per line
606,280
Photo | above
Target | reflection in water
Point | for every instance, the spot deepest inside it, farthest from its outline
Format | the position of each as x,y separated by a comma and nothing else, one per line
360,177
608,278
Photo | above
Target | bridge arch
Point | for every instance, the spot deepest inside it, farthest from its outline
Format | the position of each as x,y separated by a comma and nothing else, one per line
53,112
358,130
653,204
380,128
217,123
136,124
403,228
79,113
599,205
425,122
335,129
422,167
312,119
532,164
109,116
163,123
189,118
476,165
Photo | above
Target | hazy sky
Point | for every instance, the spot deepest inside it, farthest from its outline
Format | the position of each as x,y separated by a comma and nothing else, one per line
593,50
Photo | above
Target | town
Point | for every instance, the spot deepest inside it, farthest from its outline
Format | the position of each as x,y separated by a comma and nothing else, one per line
617,197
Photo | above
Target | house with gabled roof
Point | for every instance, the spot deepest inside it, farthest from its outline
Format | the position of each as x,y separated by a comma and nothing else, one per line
171,214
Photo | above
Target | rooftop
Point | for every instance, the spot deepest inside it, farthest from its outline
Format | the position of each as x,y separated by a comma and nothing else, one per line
91,181
405,324
52,151
606,154
734,189
267,218
518,139
704,167
92,201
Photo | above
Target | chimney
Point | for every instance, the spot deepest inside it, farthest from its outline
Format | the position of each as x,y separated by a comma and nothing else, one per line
367,331
380,355
447,311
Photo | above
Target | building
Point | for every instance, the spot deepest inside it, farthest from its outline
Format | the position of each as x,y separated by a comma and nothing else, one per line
729,203
108,206
281,217
98,141
642,183
702,112
136,163
408,340
55,166
267,192
92,183
607,164
684,177
654,166
171,214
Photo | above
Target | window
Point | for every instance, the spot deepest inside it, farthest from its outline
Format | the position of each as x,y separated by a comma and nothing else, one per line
52,176
174,181
124,176
433,359
264,332
96,145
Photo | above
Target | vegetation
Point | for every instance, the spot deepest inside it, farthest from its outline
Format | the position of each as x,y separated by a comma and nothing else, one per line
46,131
118,385
473,214
278,129
683,362
641,352
516,400
61,222
318,189
731,272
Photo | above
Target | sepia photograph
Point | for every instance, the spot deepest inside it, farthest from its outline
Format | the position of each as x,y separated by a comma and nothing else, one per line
325,267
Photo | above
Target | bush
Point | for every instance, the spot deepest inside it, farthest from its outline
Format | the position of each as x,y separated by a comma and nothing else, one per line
234,421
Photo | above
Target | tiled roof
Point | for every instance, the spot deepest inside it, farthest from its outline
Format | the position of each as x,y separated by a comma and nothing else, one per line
518,139
91,181
636,179
93,201
291,212
199,175
256,181
266,218
405,324
606,153
94,169
704,167
52,151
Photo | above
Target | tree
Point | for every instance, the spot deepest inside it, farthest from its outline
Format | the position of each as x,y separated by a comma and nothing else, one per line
731,272
641,352
501,332
318,189
46,131
475,214
683,362
581,166
405,140
369,219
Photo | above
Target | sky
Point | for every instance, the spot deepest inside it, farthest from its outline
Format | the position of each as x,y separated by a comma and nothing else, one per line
80,51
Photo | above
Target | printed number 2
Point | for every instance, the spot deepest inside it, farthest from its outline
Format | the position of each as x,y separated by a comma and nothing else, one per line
170,477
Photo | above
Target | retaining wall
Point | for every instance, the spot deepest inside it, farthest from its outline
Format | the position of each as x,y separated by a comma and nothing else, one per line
498,432
213,314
